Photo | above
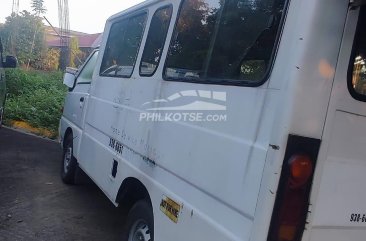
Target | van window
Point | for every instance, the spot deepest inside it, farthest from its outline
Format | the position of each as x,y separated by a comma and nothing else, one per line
224,40
155,41
358,62
122,47
86,74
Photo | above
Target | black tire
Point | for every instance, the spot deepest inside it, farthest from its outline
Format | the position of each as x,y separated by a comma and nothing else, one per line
140,223
69,164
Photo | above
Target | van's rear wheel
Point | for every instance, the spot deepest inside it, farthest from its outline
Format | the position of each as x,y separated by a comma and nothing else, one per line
69,163
140,223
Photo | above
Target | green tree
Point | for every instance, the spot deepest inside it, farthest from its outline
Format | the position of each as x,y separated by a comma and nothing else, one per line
51,60
18,33
74,52
38,7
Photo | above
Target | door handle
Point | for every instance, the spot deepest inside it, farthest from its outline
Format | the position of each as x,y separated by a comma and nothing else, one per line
82,99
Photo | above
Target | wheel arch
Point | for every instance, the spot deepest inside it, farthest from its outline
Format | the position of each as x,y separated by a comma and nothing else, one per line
67,133
131,191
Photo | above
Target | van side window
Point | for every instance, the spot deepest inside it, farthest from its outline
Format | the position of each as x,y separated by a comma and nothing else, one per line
86,74
155,41
357,72
122,47
218,41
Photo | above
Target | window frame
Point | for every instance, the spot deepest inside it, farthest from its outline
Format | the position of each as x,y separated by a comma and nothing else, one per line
356,41
96,51
231,82
117,20
81,69
164,45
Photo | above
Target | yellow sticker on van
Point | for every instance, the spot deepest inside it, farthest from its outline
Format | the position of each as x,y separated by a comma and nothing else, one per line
170,208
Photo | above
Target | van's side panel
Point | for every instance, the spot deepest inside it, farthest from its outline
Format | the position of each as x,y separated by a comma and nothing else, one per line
304,73
340,177
213,169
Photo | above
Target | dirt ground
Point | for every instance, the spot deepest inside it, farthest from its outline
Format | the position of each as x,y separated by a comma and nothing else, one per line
36,205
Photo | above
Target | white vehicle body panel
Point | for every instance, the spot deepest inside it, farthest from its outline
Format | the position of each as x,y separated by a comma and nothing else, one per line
340,190
225,174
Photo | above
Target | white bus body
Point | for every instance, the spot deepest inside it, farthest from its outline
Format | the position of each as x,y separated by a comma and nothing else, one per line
228,176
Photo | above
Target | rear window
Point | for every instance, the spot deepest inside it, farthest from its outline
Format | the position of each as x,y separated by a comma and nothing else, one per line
357,72
230,41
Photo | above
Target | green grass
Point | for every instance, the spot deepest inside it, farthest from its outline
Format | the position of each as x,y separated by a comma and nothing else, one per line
35,97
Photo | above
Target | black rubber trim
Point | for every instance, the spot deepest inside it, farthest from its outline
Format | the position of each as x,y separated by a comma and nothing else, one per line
356,43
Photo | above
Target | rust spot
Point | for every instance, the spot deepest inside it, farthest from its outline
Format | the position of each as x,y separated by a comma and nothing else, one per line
325,69
274,147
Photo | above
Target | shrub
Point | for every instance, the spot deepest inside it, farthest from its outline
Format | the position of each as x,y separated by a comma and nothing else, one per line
35,97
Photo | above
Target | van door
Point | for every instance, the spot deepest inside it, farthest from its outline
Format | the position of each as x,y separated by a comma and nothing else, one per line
76,99
338,200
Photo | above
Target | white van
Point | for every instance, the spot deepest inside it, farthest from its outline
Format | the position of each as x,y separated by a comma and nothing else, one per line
226,120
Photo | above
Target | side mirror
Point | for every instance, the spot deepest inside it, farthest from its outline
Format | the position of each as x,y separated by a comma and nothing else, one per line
69,80
10,62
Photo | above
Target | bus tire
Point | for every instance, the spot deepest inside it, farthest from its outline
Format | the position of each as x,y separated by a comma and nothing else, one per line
69,164
140,223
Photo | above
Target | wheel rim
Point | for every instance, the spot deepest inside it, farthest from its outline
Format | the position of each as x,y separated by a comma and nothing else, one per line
67,159
139,232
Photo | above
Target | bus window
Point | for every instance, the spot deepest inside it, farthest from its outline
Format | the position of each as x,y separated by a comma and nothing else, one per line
358,62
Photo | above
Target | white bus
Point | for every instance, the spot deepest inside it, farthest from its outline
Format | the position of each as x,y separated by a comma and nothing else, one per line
226,120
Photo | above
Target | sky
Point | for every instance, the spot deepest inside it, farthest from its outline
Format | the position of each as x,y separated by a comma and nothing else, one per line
88,16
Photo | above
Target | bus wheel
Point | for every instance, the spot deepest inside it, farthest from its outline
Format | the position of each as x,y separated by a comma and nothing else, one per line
69,163
140,223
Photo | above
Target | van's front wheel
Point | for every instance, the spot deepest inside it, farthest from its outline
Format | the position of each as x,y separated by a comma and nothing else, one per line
69,163
140,223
